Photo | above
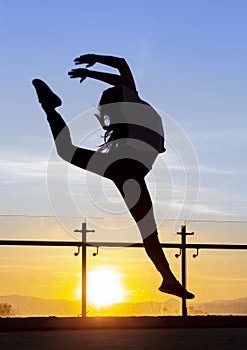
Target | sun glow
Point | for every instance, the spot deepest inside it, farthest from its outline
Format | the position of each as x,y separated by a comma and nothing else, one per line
104,287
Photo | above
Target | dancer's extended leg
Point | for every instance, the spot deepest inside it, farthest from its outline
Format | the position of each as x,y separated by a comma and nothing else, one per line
80,157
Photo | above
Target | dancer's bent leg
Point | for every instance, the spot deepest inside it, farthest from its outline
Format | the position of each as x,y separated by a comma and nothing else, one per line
142,212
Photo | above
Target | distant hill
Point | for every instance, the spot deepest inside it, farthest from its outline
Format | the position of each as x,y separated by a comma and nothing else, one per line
32,306
224,307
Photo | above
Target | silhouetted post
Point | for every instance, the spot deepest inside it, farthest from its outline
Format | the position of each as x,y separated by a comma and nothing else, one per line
183,234
83,232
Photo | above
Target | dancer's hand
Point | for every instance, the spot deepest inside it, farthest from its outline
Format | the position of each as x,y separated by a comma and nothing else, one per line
89,59
78,73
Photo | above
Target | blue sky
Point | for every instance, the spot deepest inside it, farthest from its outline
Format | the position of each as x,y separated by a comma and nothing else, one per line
189,60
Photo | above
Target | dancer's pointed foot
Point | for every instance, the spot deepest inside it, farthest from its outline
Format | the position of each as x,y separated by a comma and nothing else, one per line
175,288
45,95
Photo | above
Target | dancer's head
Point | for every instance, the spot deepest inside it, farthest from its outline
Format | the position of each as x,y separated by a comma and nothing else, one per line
112,95
109,106
110,114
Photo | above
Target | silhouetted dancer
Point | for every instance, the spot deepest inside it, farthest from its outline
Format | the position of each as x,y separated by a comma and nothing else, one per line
133,139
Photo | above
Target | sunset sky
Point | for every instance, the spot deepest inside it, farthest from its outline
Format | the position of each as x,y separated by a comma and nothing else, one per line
189,61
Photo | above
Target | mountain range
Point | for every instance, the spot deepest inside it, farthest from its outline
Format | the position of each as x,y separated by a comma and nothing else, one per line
32,306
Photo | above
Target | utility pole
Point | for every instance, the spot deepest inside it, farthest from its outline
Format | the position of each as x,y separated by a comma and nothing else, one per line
83,232
183,234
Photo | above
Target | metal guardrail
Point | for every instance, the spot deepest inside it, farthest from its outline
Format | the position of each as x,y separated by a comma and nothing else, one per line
83,244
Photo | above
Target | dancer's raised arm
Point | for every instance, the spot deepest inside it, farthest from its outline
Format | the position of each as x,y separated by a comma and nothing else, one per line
83,73
115,62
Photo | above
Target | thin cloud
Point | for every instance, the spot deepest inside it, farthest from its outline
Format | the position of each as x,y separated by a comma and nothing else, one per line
220,171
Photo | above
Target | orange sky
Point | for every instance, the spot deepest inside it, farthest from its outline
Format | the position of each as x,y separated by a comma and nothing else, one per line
54,272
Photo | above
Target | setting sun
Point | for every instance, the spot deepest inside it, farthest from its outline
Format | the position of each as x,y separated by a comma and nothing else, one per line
104,287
